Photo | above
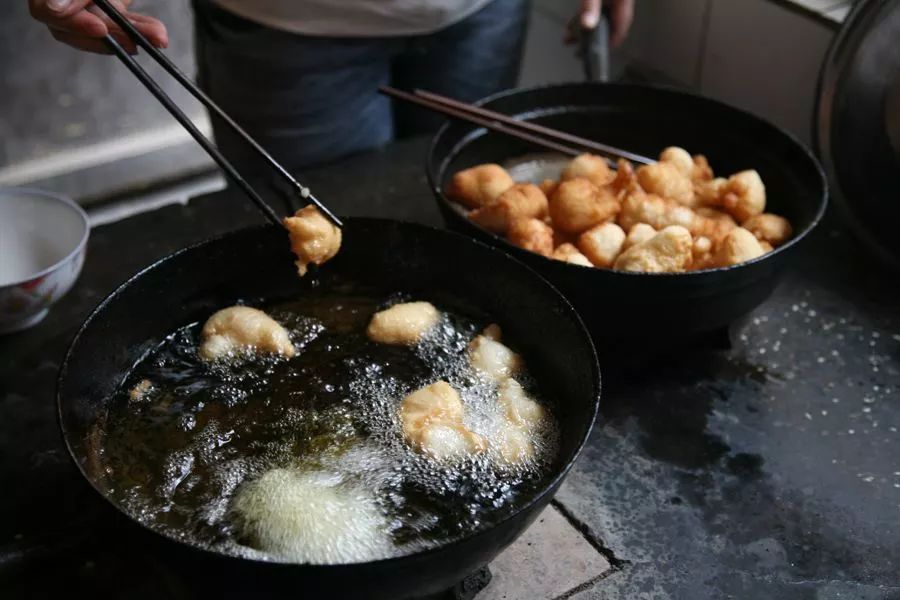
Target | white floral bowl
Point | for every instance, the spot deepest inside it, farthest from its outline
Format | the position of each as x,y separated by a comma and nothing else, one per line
42,244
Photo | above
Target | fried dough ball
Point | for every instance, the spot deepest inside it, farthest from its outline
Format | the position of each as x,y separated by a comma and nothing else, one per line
491,357
654,211
519,408
666,180
521,201
570,254
640,232
560,238
305,517
531,234
521,417
432,423
548,186
577,205
403,324
314,239
766,246
513,445
769,228
744,195
588,166
243,329
140,391
712,223
738,246
669,251
678,158
708,193
625,180
602,244
479,186
701,253
701,172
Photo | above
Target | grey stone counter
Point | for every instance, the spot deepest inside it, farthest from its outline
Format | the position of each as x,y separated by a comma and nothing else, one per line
769,470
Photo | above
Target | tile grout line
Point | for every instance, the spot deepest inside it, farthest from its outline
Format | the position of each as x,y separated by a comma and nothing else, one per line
617,564
587,584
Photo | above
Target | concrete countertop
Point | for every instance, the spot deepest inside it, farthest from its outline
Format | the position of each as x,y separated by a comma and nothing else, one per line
767,470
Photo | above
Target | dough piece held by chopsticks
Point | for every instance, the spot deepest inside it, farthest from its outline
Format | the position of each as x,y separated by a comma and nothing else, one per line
314,239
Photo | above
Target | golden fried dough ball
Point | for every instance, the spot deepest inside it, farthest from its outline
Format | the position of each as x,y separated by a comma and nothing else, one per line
602,244
625,181
314,239
702,245
243,329
678,158
654,211
709,193
570,254
769,228
531,234
701,253
712,223
479,185
521,201
403,324
766,246
744,195
548,186
639,232
492,358
669,251
577,205
666,180
432,423
588,166
702,171
738,246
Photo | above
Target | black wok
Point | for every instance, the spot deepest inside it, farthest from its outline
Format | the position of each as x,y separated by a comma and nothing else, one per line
640,309
256,263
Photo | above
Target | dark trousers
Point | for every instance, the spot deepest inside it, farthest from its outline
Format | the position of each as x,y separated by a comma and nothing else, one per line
310,100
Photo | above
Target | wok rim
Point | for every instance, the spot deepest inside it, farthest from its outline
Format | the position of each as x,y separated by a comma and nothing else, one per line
396,561
506,246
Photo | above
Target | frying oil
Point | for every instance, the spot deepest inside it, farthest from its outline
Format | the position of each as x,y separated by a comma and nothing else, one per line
175,456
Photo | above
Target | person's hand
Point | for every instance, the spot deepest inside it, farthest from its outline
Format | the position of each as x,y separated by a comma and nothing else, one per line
80,24
621,13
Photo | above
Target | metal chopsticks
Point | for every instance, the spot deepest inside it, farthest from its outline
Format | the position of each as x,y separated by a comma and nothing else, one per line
147,80
539,135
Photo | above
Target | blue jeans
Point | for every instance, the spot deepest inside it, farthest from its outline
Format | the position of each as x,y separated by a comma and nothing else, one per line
310,100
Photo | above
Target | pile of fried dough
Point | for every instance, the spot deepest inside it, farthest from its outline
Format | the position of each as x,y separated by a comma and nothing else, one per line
670,216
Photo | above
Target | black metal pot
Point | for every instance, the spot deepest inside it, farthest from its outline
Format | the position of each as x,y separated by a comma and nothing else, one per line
629,310
256,263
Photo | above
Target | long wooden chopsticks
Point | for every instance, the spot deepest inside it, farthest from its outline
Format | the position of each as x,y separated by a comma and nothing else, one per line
539,135
147,80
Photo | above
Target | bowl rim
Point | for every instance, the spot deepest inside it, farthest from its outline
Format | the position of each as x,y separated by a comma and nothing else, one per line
65,200
544,496
438,191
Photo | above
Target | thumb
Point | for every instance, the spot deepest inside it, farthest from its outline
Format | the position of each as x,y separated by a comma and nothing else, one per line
590,13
